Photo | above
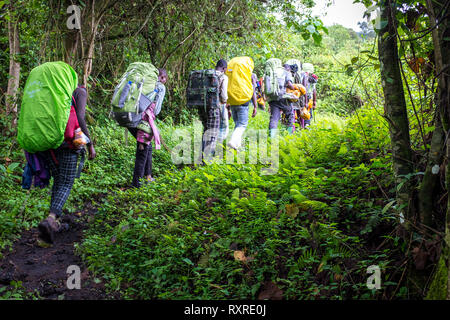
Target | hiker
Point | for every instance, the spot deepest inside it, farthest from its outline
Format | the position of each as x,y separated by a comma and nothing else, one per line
62,165
241,90
143,161
310,81
214,117
279,104
260,97
221,67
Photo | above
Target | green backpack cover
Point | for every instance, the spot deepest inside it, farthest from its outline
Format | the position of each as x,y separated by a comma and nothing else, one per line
45,108
133,93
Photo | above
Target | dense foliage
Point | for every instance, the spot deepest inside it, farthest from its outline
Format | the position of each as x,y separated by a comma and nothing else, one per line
225,231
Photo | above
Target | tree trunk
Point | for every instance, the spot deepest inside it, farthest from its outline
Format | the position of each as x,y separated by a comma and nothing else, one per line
440,35
14,65
395,110
71,41
95,21
431,177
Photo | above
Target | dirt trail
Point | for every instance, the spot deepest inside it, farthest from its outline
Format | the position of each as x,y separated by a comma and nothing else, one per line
43,270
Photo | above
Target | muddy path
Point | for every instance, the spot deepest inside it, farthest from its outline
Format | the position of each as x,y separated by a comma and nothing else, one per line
43,270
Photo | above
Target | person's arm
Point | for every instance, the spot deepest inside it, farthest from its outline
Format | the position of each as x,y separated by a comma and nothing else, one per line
304,82
223,96
314,98
290,85
255,103
289,81
80,98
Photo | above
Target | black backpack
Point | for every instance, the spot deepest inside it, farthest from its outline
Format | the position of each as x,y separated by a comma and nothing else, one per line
203,89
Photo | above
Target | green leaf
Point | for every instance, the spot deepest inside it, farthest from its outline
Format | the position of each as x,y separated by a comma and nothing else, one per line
354,60
311,28
188,261
317,38
13,166
235,194
386,207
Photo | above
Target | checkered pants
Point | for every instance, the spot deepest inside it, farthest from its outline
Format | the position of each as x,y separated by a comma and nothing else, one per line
211,125
63,173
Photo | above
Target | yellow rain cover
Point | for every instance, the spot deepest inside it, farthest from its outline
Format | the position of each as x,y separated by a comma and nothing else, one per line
239,72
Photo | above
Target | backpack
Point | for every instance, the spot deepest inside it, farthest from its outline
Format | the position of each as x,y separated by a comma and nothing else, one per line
274,75
203,88
308,67
46,106
305,113
299,91
295,75
134,93
240,87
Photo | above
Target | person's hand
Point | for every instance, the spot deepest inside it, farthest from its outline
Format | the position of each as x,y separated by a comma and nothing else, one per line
152,106
254,112
314,105
91,151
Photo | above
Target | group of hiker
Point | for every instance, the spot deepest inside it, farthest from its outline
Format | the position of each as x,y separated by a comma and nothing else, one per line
228,90
53,133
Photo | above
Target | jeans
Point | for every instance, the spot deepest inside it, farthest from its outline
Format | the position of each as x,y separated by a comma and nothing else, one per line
240,118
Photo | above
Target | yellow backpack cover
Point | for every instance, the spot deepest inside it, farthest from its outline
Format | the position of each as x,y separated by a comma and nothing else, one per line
240,88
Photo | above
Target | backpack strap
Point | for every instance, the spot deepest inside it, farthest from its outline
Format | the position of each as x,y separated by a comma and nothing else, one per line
52,153
81,164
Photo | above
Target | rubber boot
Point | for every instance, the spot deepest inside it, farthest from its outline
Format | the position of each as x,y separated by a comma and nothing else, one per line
236,138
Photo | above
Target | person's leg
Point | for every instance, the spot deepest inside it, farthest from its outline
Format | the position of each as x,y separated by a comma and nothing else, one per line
67,160
274,118
139,164
240,117
204,121
235,117
212,132
148,163
290,118
64,177
223,127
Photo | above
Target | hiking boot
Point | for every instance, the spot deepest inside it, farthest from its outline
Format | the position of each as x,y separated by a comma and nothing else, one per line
49,227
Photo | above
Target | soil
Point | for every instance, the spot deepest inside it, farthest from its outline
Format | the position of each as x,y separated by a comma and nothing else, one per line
43,270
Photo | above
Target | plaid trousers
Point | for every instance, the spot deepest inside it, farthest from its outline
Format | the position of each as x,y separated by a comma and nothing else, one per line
211,126
63,173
